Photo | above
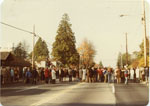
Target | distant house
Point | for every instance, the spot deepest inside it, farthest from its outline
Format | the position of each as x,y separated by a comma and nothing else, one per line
45,63
8,59
40,64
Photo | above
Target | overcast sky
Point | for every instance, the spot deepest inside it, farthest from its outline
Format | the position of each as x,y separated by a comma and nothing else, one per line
97,20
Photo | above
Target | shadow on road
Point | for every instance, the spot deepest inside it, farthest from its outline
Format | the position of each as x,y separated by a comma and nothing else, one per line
133,94
24,93
90,104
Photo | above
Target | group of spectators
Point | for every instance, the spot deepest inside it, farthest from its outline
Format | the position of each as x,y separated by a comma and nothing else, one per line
134,75
9,74
90,75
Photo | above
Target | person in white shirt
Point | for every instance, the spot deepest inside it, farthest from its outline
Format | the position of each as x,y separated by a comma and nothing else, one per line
80,74
53,75
131,74
84,75
137,71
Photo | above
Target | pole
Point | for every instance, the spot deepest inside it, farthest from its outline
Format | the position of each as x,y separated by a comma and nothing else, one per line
145,50
33,46
126,50
121,57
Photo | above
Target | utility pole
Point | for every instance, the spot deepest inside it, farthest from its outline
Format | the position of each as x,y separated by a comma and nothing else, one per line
33,46
33,33
121,57
126,50
145,50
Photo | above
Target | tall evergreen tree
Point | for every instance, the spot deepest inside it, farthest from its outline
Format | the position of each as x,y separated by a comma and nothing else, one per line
101,64
40,50
64,48
20,50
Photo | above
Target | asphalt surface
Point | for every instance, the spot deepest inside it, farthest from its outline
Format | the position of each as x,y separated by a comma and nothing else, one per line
75,94
132,94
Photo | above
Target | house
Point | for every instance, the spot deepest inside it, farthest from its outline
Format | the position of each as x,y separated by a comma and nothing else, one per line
8,59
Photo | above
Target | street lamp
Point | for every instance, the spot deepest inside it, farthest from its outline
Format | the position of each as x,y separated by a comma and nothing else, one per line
122,15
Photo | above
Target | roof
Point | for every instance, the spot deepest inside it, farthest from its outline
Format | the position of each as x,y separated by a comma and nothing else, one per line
11,60
4,55
19,62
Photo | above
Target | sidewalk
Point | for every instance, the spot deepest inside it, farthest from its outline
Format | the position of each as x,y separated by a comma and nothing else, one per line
21,83
144,83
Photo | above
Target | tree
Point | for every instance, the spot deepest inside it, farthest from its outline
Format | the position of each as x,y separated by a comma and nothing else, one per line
141,52
119,60
122,58
21,50
87,53
139,55
64,48
101,64
40,50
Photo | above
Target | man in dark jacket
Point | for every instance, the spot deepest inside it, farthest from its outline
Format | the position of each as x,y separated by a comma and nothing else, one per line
34,75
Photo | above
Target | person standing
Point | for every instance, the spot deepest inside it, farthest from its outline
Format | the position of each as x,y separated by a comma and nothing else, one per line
70,72
42,74
94,74
146,71
137,71
34,76
74,74
39,74
126,76
84,75
4,75
118,71
8,74
28,75
122,76
46,73
132,75
50,75
105,74
53,75
1,75
99,74
23,73
62,74
59,74
88,75
65,74
77,74
12,74
80,74
109,75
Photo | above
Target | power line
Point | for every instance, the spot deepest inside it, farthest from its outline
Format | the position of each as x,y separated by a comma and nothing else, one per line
34,34
17,28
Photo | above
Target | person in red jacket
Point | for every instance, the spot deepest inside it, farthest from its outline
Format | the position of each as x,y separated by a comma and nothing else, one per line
46,73
100,74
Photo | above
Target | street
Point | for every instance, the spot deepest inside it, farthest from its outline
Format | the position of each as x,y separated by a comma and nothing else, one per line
74,53
75,94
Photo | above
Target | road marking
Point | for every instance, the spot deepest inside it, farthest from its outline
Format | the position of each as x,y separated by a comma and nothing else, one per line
47,99
113,88
27,89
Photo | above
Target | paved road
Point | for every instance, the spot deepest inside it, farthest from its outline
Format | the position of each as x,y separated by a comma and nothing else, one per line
75,94
133,94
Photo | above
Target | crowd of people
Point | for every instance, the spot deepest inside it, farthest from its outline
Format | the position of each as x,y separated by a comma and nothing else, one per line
90,75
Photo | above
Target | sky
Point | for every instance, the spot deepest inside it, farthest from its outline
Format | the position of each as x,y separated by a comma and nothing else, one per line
98,21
